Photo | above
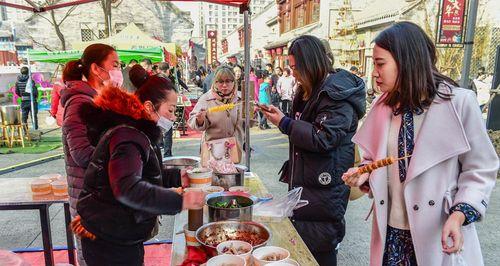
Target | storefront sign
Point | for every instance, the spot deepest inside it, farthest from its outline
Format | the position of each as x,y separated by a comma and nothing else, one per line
212,40
451,29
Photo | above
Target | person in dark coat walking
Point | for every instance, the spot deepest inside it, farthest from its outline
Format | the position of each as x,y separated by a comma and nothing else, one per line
99,65
325,115
125,187
22,82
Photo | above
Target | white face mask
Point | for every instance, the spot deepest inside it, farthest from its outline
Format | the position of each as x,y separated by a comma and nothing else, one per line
164,123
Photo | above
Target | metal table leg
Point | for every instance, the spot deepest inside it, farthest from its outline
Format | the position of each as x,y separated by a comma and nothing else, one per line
69,235
46,234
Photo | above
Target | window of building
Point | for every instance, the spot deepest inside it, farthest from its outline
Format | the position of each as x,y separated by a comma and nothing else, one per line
224,20
300,16
86,32
223,26
3,13
297,13
120,26
140,26
314,8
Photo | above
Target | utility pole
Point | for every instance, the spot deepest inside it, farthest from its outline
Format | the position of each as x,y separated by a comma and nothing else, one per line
469,43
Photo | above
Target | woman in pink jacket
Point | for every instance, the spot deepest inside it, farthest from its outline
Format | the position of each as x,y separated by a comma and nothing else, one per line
56,108
426,205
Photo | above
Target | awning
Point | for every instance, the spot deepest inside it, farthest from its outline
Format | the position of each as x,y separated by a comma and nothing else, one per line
61,57
289,36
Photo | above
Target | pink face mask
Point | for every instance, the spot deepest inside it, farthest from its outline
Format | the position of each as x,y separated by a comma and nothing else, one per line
115,77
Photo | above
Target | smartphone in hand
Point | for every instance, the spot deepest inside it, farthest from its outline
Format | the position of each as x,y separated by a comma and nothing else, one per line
263,107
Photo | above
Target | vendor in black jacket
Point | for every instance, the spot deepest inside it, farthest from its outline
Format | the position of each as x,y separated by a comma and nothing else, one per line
124,188
325,114
22,82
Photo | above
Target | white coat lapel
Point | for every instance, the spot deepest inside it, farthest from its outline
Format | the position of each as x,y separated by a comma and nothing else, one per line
441,137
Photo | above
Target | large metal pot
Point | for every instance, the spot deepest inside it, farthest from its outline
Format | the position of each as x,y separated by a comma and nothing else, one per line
212,234
181,162
244,213
11,114
230,180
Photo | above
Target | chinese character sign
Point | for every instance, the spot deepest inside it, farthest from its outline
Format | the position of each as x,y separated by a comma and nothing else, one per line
451,23
212,41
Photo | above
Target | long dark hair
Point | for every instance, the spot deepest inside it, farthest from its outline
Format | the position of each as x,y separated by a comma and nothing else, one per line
94,53
418,79
150,88
311,62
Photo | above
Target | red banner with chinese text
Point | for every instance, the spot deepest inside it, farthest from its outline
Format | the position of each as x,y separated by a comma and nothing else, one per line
451,29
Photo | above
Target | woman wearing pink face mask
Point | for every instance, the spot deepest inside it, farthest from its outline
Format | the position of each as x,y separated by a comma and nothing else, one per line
84,78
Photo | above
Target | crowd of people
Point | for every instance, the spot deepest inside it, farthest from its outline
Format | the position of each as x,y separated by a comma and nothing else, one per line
425,204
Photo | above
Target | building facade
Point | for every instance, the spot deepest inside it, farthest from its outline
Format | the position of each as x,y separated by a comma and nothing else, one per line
161,20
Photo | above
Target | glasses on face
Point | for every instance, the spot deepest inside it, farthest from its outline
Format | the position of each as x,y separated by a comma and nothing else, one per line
227,81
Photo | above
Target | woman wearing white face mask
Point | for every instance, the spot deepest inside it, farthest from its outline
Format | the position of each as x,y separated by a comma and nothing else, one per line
83,79
125,189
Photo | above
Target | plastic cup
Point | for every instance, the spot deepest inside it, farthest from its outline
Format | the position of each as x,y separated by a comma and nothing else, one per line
60,188
40,187
190,237
51,177
200,177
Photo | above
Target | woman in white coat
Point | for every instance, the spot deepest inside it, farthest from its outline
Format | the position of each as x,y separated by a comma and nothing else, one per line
425,206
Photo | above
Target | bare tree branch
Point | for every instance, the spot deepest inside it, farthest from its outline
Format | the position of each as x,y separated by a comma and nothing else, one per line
50,21
50,49
67,14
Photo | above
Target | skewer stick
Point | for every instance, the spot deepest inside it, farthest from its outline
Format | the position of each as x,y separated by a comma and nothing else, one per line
404,157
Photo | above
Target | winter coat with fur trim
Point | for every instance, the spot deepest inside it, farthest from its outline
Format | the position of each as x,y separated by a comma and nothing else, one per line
124,190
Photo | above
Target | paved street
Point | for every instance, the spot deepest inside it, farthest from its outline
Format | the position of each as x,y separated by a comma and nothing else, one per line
20,229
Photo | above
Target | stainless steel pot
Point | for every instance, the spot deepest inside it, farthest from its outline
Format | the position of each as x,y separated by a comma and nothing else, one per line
212,234
11,114
181,162
230,180
243,213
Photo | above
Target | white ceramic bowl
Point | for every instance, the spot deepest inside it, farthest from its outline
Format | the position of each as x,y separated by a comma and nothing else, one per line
287,262
237,244
226,260
259,255
213,189
239,189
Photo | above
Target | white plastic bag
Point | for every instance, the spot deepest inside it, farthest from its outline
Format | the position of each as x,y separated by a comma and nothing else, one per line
454,259
282,207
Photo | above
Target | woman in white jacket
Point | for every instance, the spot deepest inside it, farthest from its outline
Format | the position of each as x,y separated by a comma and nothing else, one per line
425,206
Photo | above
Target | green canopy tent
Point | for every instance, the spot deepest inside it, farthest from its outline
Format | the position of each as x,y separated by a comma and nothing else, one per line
61,57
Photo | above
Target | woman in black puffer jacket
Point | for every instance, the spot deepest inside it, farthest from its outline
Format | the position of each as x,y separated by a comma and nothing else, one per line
124,189
325,114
